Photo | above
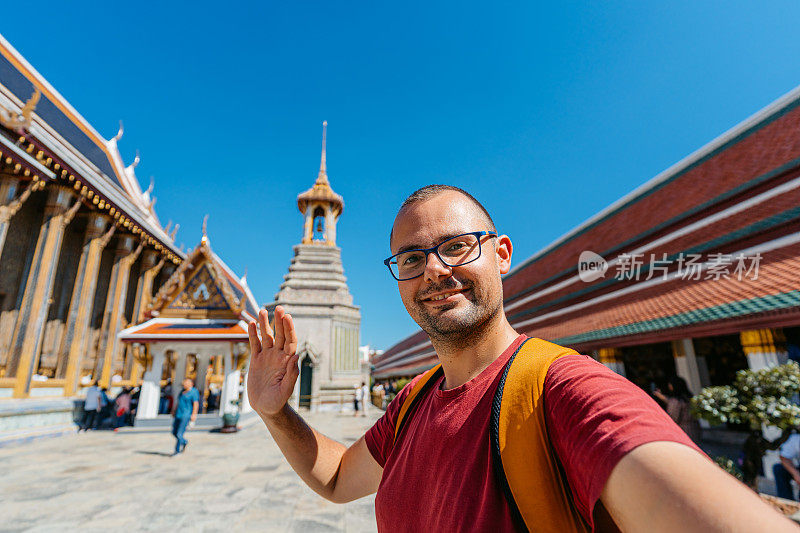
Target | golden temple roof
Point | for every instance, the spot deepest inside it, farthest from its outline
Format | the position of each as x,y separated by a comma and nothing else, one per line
321,191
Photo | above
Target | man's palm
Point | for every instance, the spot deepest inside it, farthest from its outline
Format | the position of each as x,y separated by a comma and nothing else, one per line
273,362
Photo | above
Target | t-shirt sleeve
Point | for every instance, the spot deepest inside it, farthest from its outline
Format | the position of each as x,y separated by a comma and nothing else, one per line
594,417
791,448
380,437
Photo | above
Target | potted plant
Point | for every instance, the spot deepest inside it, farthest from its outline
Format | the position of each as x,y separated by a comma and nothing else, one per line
756,398
231,417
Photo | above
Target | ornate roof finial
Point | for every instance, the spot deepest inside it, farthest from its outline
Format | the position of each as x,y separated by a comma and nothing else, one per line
323,171
205,230
121,130
135,161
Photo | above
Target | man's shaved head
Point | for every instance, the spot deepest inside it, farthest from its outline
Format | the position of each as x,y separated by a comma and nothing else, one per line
429,191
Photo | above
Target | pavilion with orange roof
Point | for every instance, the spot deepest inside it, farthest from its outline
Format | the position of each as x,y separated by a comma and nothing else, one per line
196,327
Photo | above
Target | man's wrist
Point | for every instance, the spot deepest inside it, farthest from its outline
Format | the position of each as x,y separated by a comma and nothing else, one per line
274,417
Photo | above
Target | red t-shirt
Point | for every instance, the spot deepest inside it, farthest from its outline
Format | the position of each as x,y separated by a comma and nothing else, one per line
439,475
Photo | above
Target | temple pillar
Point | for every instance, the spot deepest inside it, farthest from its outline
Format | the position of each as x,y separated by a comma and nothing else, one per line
764,348
144,290
330,226
308,227
200,375
686,364
75,341
180,375
246,407
29,331
150,392
612,358
230,386
10,203
115,305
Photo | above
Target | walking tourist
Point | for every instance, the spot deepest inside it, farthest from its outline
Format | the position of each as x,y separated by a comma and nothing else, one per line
92,407
185,412
787,469
358,399
582,448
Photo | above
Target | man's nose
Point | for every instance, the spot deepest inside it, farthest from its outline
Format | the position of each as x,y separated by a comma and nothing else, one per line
435,269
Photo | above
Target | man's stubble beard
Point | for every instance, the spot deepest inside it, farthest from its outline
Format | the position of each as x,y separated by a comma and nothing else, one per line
457,332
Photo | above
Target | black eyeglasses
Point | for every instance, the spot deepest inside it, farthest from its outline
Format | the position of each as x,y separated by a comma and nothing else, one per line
453,252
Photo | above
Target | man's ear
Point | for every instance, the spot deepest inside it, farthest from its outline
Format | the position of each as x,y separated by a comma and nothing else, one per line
503,251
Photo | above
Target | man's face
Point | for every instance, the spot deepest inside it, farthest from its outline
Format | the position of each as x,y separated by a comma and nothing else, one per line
450,302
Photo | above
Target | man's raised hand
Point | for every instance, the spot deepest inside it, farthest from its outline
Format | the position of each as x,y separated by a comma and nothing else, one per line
273,362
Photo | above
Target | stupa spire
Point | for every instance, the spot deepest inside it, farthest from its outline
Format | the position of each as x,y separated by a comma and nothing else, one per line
323,170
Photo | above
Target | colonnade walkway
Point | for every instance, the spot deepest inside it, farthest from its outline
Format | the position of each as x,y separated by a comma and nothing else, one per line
129,481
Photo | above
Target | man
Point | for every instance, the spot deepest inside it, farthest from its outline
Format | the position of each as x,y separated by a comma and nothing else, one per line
786,470
92,407
626,462
185,412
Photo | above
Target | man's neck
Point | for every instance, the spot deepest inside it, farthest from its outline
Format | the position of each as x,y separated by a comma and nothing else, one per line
463,362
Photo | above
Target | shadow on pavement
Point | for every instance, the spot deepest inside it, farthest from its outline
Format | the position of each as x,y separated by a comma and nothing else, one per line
145,452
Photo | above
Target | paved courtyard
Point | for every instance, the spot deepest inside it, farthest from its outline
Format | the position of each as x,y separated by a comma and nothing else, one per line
106,481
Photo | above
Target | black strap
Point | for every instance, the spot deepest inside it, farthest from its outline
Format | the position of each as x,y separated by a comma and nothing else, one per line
494,436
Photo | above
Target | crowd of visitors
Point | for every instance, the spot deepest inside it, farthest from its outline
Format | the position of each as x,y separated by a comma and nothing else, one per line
100,412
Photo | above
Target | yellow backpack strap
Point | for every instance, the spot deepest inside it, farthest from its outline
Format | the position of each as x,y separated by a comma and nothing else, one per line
526,464
425,382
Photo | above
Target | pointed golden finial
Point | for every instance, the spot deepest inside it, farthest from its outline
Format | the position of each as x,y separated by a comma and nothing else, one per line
323,171
205,228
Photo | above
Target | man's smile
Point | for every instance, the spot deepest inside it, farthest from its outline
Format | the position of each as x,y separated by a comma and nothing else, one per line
445,297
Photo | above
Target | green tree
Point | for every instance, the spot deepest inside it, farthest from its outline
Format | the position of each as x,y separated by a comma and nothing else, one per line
756,398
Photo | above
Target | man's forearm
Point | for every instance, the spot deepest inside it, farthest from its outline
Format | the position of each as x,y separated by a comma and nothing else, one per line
789,466
312,455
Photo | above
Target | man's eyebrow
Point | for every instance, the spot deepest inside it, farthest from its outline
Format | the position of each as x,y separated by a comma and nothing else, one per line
441,239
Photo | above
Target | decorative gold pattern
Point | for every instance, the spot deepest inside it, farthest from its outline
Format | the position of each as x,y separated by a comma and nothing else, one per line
21,121
8,211
200,257
202,292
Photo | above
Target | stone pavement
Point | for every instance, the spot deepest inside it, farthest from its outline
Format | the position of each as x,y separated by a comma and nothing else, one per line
106,481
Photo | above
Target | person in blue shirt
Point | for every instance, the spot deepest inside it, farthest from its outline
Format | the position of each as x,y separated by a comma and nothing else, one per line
185,412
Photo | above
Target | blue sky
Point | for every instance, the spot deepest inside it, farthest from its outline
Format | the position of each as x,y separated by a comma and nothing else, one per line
546,112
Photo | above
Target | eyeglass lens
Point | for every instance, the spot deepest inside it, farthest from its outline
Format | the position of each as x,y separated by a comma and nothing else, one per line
453,252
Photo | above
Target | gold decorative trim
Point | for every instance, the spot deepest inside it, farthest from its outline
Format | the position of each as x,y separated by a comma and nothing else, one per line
21,121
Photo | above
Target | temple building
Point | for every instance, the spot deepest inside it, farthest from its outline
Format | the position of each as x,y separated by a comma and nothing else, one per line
197,328
82,251
315,293
694,274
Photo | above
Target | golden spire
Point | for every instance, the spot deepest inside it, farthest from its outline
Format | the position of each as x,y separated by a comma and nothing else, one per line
323,171
321,191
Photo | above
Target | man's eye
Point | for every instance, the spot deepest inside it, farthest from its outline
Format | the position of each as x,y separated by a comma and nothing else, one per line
454,247
411,259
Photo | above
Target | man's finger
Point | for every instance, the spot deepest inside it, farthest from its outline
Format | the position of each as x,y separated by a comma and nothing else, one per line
255,344
280,337
266,332
290,344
